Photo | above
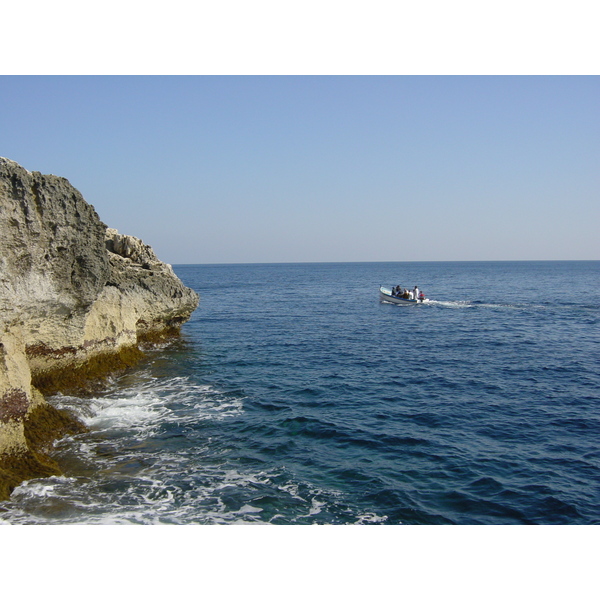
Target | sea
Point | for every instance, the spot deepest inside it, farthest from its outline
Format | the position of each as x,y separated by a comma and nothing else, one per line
295,396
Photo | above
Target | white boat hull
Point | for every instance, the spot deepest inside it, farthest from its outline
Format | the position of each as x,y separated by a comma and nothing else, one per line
385,295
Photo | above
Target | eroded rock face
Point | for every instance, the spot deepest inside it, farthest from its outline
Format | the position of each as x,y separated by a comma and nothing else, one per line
139,275
71,290
52,263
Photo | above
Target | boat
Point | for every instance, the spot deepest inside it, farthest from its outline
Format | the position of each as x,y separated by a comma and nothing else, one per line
385,295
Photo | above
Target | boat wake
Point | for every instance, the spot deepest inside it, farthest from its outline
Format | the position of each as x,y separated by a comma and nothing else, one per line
474,304
452,304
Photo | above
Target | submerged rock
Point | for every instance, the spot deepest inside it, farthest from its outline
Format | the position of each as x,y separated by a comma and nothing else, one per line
76,300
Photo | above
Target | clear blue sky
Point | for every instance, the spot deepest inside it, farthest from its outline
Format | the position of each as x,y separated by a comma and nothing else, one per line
319,168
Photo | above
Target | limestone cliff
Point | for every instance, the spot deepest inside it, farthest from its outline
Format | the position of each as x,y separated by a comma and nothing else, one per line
75,297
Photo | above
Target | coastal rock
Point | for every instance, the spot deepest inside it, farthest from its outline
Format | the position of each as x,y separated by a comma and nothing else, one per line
75,297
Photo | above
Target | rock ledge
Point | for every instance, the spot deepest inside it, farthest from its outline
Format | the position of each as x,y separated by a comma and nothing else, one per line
76,300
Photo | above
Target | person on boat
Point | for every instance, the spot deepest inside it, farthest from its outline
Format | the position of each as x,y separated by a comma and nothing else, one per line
416,293
421,296
406,294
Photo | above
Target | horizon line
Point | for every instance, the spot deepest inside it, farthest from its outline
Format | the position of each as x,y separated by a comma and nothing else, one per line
342,262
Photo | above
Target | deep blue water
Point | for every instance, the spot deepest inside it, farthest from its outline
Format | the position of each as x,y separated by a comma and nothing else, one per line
295,396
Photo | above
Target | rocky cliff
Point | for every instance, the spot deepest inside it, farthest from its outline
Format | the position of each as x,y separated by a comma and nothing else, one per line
76,301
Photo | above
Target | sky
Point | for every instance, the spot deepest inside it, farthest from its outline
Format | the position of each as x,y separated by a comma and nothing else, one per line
236,169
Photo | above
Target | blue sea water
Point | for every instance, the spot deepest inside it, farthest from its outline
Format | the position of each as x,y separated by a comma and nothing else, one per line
294,396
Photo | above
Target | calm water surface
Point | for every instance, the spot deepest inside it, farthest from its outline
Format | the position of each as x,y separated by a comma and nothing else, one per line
295,396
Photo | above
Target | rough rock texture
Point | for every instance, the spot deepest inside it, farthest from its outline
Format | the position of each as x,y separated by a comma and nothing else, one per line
74,297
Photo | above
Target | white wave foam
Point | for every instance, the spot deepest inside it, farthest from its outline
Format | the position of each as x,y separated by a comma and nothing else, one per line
40,488
315,508
237,479
151,403
129,476
153,496
127,412
370,519
248,509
